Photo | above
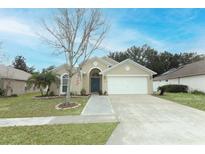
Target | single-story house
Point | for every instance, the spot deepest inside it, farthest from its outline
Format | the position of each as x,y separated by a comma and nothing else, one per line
106,75
13,81
192,75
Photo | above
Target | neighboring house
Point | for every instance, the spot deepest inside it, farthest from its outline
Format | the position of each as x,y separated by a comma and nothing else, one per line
192,75
13,80
106,75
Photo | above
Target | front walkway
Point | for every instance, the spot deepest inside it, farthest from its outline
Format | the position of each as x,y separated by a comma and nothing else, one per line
56,120
98,105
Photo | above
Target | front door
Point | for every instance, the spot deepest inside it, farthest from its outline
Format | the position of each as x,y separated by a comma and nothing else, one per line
95,85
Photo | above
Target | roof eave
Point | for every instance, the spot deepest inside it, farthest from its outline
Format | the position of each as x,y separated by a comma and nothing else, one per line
129,60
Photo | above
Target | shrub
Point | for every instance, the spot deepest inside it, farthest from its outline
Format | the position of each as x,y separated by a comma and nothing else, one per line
173,88
100,92
2,92
105,92
83,92
73,93
161,89
197,92
51,93
14,95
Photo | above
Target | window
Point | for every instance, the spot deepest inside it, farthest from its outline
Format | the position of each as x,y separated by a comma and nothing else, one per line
95,73
64,83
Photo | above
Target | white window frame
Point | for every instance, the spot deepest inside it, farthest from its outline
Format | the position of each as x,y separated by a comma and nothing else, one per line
61,83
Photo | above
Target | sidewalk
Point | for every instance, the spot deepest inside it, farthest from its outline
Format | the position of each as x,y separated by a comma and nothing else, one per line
57,120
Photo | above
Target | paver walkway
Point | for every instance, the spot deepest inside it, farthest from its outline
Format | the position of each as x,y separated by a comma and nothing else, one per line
98,105
56,120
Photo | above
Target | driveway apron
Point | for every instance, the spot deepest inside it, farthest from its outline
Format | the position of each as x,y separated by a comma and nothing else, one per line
78,119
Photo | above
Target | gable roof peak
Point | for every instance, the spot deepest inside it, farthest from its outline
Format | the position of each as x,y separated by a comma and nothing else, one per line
130,61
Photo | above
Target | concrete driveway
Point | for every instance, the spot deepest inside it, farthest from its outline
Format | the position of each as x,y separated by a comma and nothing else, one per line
147,119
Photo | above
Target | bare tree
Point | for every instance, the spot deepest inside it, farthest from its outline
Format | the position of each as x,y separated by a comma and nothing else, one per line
1,53
0,57
76,33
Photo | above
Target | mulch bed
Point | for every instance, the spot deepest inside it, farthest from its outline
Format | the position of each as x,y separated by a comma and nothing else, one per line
56,96
64,106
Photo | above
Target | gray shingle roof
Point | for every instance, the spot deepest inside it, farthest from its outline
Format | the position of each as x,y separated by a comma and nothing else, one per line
104,59
196,68
110,60
9,72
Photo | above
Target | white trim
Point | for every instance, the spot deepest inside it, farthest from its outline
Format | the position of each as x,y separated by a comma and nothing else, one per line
129,60
128,75
61,81
94,68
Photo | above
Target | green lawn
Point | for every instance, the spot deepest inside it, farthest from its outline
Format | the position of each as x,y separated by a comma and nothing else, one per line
193,100
58,134
26,106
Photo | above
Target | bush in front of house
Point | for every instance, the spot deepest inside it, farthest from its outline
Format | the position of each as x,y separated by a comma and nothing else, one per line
14,95
105,93
83,92
197,92
161,90
100,92
173,88
51,93
2,92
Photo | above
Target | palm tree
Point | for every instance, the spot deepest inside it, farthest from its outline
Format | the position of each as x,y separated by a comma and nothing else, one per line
50,78
37,80
42,80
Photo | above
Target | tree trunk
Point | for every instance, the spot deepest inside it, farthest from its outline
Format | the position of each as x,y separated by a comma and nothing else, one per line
48,89
41,90
68,97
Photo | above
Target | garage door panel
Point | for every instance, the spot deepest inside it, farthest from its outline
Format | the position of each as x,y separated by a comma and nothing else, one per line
127,85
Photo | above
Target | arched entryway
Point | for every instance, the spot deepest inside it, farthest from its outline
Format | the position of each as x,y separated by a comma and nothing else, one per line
95,81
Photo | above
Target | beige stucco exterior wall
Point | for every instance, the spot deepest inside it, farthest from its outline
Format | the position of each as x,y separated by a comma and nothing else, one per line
133,70
76,82
1,83
150,84
87,67
101,65
55,88
16,87
84,82
121,69
76,86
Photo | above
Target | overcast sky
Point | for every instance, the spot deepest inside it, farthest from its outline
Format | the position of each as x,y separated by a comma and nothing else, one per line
174,30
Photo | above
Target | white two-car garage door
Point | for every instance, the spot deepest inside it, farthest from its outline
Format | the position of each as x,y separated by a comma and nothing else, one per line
127,85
